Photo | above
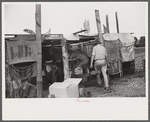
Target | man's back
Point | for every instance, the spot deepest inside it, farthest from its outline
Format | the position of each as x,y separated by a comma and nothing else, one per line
100,52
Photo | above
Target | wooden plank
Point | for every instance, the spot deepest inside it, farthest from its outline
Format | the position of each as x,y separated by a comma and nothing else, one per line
86,26
81,45
99,26
39,51
107,23
105,29
117,24
79,31
65,59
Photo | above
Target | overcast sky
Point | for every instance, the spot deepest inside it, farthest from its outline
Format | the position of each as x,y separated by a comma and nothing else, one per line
68,17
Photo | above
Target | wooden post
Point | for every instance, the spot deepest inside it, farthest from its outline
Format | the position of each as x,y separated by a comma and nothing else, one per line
85,26
99,26
65,58
81,46
39,51
88,26
117,22
107,23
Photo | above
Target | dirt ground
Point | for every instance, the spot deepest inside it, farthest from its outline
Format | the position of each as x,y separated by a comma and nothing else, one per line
127,86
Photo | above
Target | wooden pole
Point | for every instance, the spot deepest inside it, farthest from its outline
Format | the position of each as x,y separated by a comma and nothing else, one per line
107,23
99,26
117,22
88,26
39,51
85,26
81,46
65,58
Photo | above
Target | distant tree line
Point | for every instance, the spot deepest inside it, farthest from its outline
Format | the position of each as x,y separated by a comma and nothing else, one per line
139,42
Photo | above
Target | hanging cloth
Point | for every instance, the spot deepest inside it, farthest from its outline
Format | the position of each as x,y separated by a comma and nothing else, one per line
23,71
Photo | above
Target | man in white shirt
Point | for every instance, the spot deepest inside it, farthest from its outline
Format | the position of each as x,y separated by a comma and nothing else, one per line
99,54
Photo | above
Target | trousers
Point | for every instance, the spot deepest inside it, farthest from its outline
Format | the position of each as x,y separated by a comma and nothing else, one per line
101,66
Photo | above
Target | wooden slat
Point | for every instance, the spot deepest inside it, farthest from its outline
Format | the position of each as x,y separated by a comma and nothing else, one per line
99,26
39,51
117,24
80,31
65,59
107,23
81,45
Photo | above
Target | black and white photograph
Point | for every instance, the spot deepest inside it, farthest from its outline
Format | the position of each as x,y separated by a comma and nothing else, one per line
75,52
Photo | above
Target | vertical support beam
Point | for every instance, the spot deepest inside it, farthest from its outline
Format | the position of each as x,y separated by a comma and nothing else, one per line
117,22
99,26
85,26
88,26
52,72
81,46
107,23
39,51
65,59
105,29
